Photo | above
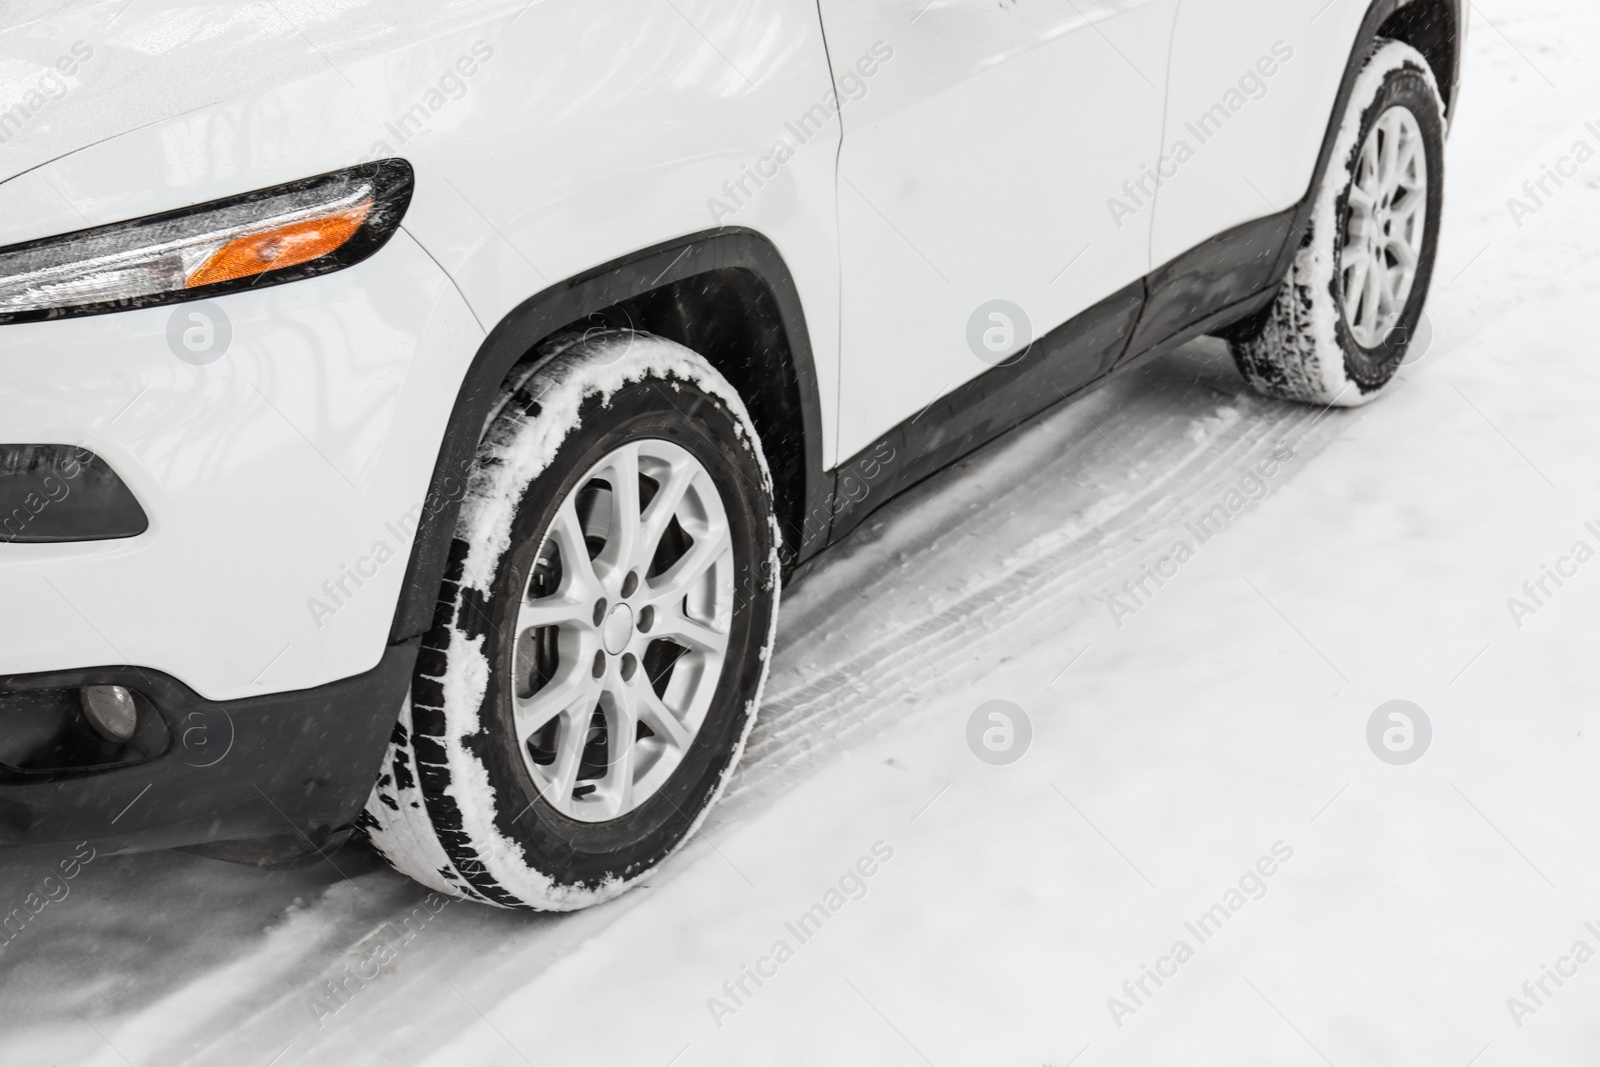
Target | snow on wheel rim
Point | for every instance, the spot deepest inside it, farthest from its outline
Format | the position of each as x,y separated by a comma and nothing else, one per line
1384,236
623,630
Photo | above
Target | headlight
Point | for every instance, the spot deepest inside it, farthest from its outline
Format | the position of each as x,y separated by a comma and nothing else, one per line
263,238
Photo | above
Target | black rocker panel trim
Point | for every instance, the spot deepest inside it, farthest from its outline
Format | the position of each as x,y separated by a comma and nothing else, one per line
1205,289
1217,284
286,772
1062,362
1223,280
1218,273
567,303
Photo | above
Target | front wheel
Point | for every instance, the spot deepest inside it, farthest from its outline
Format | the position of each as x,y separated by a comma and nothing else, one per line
1339,328
602,636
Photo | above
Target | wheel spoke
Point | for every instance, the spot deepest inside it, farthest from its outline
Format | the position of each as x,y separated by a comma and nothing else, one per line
1355,253
1388,153
1404,253
591,637
1370,175
674,624
579,583
1392,297
1355,283
675,581
573,686
1413,163
623,537
1386,225
658,516
563,774
622,727
662,722
1406,207
552,611
1370,310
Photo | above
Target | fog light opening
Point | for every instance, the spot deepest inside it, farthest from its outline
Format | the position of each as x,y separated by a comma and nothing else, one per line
111,710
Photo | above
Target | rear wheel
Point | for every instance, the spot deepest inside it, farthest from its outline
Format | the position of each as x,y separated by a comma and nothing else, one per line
1340,326
602,637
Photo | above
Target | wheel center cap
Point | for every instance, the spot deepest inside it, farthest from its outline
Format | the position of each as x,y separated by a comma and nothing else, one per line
618,629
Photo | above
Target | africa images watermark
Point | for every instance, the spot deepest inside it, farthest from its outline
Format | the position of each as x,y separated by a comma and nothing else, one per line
852,84
999,732
851,886
337,592
1564,169
1252,885
1537,590
853,485
1566,967
1252,85
66,465
1252,488
52,889
451,85
43,91
374,956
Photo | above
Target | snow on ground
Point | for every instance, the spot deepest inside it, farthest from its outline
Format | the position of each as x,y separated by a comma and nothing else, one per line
1220,726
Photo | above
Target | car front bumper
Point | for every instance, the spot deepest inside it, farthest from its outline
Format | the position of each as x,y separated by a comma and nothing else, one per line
276,776
283,482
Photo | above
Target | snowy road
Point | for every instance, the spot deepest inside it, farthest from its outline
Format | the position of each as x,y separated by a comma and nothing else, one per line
1206,732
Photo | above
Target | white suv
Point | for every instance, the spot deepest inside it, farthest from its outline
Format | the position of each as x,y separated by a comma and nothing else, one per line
408,410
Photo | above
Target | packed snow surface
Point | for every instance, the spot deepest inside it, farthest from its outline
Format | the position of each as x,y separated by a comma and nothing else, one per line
1199,773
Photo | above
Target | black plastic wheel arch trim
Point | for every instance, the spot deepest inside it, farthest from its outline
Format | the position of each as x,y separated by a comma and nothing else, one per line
1203,290
566,303
1449,82
1227,270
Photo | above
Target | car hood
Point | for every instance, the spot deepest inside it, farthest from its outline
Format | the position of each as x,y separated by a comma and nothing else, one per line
73,74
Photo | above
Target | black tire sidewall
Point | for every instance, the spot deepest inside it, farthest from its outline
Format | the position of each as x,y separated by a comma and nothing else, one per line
1371,368
589,855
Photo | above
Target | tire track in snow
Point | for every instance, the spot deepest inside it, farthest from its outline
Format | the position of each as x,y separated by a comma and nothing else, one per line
1014,547
1149,451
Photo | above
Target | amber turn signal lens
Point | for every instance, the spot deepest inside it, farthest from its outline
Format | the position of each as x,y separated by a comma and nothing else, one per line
284,246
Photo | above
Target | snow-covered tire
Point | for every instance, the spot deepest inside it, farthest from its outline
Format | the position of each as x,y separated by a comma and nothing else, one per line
473,798
1303,346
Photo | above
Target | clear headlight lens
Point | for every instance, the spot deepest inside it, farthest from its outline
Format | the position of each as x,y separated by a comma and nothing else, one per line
267,237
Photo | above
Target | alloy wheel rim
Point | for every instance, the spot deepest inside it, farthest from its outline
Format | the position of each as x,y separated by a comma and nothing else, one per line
1388,219
622,630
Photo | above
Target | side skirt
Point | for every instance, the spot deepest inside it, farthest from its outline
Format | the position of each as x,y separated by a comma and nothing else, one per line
1219,282
1053,368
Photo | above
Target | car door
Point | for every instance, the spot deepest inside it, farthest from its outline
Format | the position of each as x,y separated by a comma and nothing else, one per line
1251,88
992,152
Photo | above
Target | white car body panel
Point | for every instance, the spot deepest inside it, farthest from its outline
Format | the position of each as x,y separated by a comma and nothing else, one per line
976,166
820,197
911,163
543,198
267,473
1262,159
